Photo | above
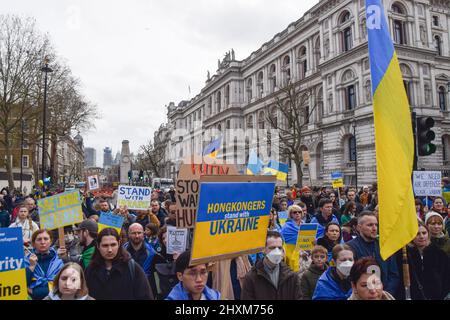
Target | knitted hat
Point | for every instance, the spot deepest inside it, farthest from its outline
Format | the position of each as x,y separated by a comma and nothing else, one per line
306,189
432,214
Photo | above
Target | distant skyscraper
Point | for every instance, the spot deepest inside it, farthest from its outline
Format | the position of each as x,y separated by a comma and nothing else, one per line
90,158
117,159
107,158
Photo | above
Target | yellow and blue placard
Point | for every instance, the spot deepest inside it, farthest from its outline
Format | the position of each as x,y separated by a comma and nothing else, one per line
60,210
337,179
306,236
282,217
13,282
232,219
110,220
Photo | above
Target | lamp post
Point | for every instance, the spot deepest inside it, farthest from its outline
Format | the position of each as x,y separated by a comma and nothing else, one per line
353,124
46,69
21,151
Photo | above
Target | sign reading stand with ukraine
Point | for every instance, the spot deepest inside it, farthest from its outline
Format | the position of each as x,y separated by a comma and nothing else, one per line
232,217
13,282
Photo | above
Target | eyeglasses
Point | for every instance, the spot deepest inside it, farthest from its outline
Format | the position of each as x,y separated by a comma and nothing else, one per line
297,212
194,275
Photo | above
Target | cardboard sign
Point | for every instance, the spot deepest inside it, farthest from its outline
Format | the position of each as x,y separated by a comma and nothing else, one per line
61,210
135,198
93,183
187,186
110,220
176,240
337,179
427,183
307,236
232,218
282,217
13,281
306,157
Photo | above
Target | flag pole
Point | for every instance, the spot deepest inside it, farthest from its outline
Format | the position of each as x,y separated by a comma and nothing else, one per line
406,278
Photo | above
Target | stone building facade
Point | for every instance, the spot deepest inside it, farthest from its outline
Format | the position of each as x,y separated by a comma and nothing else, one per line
325,52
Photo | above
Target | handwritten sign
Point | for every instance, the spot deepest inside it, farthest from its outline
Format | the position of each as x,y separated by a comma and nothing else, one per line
13,282
176,240
135,198
337,179
61,210
427,183
110,220
187,186
282,217
306,236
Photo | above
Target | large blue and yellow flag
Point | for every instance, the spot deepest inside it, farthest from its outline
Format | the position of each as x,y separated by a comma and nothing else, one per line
394,142
212,149
255,164
277,169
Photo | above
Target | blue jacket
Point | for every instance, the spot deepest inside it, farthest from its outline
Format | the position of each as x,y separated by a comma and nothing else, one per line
318,218
328,289
148,261
45,271
389,271
178,293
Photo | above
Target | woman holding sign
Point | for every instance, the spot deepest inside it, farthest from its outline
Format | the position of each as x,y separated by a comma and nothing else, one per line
42,264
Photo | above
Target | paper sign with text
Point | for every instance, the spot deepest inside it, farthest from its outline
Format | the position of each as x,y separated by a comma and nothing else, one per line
427,183
135,198
337,179
176,240
60,210
110,220
307,236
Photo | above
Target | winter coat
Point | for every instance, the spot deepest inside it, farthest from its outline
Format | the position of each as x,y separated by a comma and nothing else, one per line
320,220
442,243
429,273
54,296
146,265
309,201
258,286
179,293
28,228
389,270
86,254
4,218
309,280
328,288
41,279
118,283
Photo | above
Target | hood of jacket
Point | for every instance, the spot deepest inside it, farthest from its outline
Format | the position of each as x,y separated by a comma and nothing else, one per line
179,293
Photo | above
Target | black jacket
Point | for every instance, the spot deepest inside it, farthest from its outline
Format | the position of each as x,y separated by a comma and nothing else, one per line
432,273
117,284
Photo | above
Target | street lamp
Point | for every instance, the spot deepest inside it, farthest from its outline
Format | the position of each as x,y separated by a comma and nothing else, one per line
353,124
21,151
46,69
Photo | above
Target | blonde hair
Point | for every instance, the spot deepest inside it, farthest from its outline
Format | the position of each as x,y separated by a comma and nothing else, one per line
294,207
83,291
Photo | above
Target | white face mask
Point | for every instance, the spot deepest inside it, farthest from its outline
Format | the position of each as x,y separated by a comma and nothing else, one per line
345,267
275,256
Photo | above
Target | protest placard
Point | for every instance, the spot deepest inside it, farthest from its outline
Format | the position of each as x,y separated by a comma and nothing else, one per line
13,282
427,183
135,198
187,186
282,217
110,220
93,183
232,218
306,236
60,210
176,240
337,179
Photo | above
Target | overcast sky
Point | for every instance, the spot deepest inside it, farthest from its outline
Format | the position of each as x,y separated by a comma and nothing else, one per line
133,57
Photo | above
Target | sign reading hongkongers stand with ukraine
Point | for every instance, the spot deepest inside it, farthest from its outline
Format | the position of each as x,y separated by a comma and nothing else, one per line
232,216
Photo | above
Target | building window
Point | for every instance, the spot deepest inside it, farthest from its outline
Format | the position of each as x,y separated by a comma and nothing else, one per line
347,39
219,101
227,96
442,99
436,21
274,117
273,78
350,97
25,161
287,69
407,86
437,45
260,84
307,115
250,122
249,90
352,148
399,35
261,120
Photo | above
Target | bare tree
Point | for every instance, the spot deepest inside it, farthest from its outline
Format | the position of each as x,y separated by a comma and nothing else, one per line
295,106
152,158
21,46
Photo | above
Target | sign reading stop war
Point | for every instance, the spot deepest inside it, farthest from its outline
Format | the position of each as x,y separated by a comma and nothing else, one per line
427,183
187,187
13,282
61,210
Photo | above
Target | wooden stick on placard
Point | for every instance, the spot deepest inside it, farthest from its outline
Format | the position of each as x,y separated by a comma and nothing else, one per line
62,243
406,278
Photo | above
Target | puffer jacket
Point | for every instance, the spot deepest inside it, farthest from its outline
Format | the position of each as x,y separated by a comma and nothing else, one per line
179,293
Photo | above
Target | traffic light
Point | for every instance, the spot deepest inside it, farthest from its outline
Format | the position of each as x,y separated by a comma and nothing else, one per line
141,175
425,135
130,174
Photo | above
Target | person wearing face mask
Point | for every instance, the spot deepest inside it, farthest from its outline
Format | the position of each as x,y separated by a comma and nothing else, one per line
270,278
366,244
334,284
72,250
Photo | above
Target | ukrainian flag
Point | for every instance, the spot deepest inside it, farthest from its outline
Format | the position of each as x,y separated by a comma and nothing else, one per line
255,164
212,149
278,169
393,137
